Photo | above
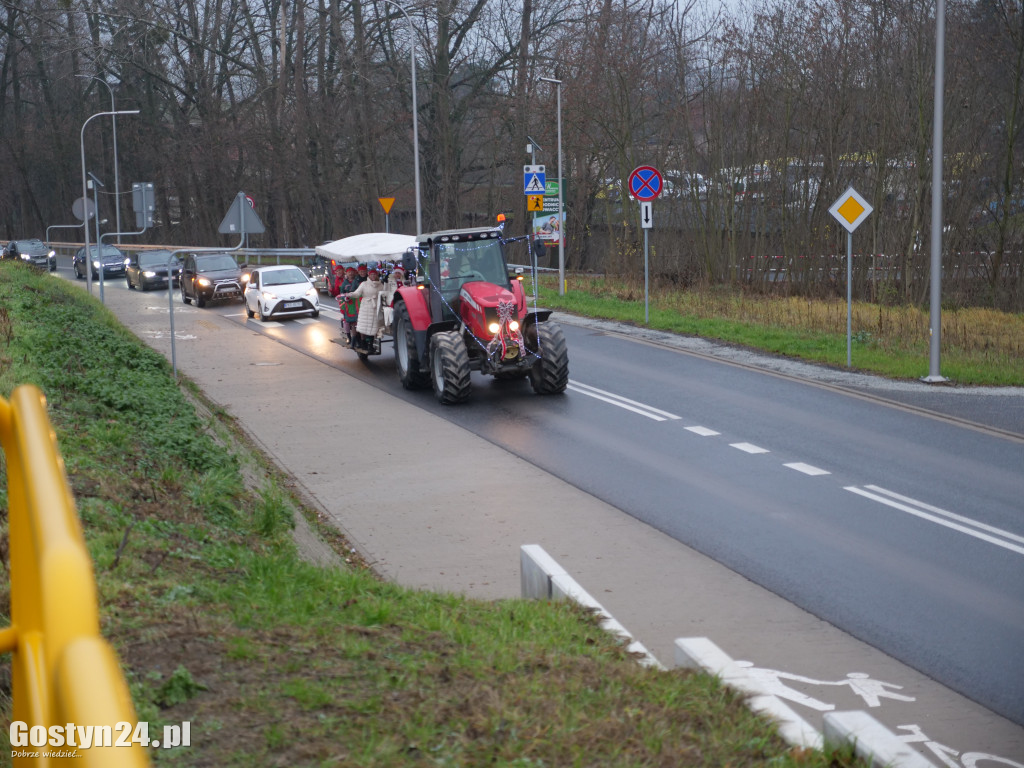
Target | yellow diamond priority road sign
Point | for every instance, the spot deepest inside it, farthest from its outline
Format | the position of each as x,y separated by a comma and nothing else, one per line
850,209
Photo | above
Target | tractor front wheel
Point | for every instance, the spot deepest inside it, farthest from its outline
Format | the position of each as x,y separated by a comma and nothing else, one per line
449,367
550,374
406,359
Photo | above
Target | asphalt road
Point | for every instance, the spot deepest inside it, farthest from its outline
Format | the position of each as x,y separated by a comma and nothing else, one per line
894,522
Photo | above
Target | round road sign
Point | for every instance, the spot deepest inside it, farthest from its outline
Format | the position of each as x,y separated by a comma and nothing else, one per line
645,183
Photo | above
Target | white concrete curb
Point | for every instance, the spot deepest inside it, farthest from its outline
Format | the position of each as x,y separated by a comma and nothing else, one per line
870,740
542,578
701,654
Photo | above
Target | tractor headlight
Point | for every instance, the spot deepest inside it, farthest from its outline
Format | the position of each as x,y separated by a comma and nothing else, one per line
494,327
513,325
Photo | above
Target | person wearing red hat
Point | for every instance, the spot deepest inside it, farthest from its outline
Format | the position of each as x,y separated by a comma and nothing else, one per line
334,280
349,307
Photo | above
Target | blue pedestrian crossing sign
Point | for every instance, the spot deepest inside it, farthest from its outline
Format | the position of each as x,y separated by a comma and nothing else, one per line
533,179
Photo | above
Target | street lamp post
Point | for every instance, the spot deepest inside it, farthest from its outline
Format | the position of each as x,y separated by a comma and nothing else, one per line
561,217
85,194
415,117
117,183
935,303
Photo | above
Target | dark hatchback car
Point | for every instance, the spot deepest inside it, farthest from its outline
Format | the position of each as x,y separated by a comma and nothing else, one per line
33,252
113,259
210,277
148,269
321,272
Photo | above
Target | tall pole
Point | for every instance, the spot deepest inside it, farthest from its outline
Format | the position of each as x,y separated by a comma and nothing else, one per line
561,217
117,182
85,192
415,117
935,315
96,184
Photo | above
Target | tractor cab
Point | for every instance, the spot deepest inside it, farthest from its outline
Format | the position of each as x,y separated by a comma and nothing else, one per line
450,260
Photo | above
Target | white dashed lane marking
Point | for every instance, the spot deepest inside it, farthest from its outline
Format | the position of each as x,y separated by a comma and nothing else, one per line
749,448
807,469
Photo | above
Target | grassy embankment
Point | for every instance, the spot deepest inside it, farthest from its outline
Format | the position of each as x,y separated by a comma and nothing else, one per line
275,661
978,346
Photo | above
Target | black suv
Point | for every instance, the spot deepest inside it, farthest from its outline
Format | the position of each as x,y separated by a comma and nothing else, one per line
210,277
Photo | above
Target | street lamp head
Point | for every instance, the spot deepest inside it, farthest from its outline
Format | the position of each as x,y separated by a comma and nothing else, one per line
551,80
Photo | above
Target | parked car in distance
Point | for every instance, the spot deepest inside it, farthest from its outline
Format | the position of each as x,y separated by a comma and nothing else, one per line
280,291
321,272
148,269
112,257
210,277
33,252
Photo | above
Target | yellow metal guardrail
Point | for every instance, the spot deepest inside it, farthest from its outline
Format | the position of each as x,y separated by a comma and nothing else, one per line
66,681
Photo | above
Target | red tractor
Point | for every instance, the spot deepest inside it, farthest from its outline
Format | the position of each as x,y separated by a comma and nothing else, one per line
463,313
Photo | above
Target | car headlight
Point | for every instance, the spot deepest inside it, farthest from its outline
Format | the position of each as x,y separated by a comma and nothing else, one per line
126,262
149,273
268,296
51,254
204,281
245,278
26,257
312,293
96,263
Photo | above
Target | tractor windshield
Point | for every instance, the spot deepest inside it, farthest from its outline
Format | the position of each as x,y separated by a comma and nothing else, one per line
475,260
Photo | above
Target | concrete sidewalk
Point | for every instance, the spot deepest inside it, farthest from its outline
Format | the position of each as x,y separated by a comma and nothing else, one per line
433,506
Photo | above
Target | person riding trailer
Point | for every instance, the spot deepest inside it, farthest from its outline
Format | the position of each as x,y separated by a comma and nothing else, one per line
369,318
349,307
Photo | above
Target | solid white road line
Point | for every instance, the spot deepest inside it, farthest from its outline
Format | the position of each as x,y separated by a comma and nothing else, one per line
918,510
950,515
622,402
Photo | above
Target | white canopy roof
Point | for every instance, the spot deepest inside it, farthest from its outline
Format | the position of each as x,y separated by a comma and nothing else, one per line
367,247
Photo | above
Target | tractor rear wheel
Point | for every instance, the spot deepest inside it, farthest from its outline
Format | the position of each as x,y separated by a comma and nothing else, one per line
449,367
406,360
550,374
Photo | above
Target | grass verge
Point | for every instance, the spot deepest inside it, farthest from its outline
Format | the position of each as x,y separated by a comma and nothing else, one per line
978,346
275,661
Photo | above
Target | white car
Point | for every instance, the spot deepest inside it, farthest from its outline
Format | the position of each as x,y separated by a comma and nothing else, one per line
280,291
